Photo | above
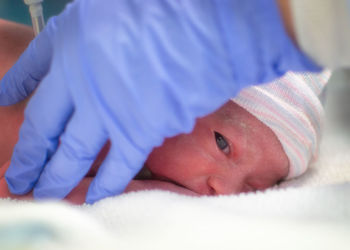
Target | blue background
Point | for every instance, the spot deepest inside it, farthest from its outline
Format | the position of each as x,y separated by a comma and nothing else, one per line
17,11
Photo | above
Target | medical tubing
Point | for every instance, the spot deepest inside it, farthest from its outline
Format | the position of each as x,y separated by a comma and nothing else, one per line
37,16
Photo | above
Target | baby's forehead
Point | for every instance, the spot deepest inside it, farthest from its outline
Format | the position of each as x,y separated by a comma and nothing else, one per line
226,111
231,114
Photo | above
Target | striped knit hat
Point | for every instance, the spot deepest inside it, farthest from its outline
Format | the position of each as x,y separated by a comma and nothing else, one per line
291,108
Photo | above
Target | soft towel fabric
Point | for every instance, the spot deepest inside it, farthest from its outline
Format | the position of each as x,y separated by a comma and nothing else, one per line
291,107
315,218
49,226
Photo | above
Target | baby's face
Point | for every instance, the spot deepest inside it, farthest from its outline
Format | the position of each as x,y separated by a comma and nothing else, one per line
228,152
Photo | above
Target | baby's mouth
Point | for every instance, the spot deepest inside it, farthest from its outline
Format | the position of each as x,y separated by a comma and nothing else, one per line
146,174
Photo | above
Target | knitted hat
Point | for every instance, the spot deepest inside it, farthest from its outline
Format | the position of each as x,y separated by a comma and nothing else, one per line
291,108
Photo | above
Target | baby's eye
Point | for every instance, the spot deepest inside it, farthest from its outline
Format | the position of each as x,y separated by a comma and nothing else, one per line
222,143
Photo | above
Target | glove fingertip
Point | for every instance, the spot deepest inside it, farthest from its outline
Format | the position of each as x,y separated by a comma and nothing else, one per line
96,193
16,186
93,195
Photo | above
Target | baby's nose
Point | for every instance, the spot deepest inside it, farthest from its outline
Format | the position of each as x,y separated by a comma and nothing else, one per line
221,185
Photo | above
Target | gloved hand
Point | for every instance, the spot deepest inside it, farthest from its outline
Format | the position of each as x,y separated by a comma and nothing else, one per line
134,72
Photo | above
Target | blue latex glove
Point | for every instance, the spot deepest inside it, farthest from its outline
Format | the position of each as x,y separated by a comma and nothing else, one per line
134,72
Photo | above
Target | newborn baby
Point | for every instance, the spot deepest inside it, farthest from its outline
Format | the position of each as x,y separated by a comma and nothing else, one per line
263,136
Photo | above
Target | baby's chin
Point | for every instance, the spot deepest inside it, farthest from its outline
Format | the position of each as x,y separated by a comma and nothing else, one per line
138,185
78,194
149,181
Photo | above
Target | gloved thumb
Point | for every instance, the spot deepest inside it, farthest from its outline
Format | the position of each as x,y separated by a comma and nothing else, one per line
29,70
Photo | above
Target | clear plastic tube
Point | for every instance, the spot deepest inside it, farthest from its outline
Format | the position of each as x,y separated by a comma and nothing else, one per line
36,13
38,24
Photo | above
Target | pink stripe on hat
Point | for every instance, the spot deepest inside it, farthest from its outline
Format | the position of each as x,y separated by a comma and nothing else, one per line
291,108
